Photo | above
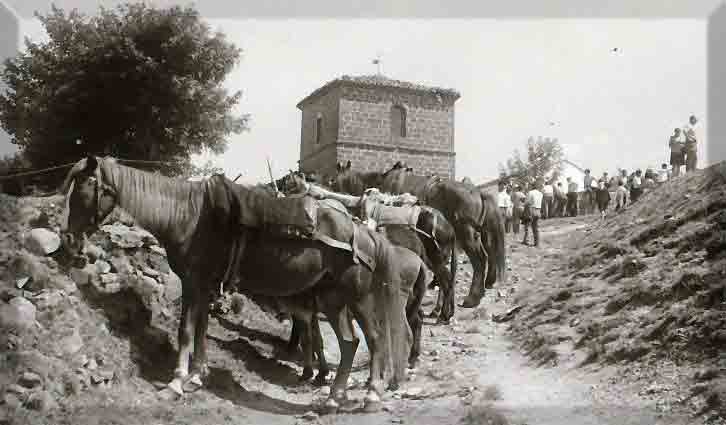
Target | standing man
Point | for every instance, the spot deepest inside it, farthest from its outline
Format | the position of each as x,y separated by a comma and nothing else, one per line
548,200
534,205
518,198
504,203
693,135
636,187
571,197
588,198
677,146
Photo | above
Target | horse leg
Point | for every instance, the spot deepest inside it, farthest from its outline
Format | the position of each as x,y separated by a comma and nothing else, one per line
190,297
348,343
297,328
436,312
307,345
445,301
414,314
200,369
470,241
364,312
323,369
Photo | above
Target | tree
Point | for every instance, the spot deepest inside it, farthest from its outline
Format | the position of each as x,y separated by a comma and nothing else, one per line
544,157
134,82
205,170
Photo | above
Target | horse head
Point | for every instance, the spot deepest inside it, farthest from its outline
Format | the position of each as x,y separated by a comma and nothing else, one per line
89,200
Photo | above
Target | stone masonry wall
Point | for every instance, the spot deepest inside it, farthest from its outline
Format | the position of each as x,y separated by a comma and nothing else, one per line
357,120
327,106
377,158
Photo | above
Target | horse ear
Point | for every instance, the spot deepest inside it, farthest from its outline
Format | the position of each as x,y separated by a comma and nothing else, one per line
337,166
347,165
409,169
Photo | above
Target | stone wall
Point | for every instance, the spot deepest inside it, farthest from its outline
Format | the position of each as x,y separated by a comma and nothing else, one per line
357,120
327,108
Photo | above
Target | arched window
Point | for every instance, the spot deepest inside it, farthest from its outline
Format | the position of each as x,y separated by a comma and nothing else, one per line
398,121
318,129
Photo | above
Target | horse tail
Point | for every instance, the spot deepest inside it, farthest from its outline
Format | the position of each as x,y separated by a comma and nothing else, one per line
391,299
492,227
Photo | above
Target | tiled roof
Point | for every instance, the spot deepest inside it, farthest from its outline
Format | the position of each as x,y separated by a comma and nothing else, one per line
379,81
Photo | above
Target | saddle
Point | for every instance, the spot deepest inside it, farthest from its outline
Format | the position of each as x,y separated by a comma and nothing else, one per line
385,215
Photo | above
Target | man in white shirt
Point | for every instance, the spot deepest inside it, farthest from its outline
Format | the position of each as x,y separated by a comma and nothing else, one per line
692,131
504,202
534,204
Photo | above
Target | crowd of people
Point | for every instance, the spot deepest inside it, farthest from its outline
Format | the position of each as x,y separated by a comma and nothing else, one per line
526,203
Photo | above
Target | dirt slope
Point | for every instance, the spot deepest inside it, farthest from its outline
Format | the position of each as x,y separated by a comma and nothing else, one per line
645,291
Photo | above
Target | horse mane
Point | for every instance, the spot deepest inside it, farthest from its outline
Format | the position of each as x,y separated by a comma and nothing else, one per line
155,201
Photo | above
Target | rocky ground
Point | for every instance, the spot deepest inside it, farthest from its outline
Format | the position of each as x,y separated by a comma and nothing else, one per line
606,323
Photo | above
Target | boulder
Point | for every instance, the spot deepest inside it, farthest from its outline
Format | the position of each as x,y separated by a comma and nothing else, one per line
102,266
122,236
109,278
85,275
41,401
172,286
19,314
70,344
30,380
122,265
42,241
149,290
94,252
158,262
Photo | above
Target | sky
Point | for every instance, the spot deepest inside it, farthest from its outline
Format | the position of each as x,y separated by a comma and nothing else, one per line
518,78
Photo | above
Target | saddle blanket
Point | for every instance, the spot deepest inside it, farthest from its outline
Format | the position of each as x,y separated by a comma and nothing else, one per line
384,215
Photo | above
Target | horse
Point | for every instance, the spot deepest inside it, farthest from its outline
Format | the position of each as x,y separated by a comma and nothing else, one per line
437,236
473,212
201,226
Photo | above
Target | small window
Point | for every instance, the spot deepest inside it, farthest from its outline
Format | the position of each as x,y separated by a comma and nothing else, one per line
398,121
318,129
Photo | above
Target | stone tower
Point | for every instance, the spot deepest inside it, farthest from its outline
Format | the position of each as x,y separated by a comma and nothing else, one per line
374,121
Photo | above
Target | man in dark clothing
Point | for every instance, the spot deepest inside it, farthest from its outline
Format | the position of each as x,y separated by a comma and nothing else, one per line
571,198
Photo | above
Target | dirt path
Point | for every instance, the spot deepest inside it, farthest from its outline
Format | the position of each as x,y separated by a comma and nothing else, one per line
468,364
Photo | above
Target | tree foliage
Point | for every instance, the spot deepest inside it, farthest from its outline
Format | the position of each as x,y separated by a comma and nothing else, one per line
134,82
204,170
543,158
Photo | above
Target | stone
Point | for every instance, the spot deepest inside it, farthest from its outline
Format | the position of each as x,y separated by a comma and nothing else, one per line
148,271
70,344
102,266
20,283
122,236
41,401
15,389
94,252
42,241
149,290
85,275
30,380
112,288
12,401
19,314
122,265
158,262
109,278
309,416
172,286
48,299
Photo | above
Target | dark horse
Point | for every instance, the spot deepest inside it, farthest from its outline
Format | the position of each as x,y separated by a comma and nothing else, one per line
199,225
436,237
474,214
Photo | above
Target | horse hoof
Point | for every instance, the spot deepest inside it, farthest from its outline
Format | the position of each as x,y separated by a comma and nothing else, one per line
193,384
306,375
372,403
331,406
176,386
